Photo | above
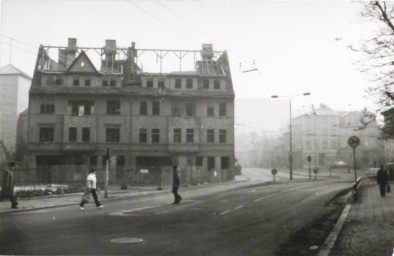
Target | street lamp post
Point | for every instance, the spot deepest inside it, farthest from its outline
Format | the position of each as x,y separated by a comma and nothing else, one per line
290,131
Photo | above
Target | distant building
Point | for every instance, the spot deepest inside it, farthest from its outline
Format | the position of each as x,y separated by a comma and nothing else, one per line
316,135
363,125
14,89
323,136
79,107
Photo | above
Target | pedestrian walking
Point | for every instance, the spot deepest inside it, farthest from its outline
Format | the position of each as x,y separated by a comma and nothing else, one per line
91,188
175,185
7,185
382,178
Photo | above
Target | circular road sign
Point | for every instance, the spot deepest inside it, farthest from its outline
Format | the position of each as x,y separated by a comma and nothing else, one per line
274,171
353,141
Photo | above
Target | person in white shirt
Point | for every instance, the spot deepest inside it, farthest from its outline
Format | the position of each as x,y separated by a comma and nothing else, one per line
91,186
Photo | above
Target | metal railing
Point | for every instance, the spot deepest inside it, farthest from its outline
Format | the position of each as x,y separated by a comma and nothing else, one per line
357,185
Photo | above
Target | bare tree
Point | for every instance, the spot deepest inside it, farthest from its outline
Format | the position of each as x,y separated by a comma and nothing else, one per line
379,51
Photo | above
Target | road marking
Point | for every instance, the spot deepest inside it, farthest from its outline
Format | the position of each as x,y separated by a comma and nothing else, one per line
126,212
126,240
238,207
284,191
225,212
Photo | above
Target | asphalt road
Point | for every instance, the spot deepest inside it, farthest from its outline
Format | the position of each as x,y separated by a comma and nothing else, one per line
232,219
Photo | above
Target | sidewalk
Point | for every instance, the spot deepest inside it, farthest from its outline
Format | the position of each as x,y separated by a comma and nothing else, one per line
53,201
368,229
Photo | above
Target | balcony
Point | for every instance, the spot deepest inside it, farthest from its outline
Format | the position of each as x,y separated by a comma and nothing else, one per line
69,147
183,147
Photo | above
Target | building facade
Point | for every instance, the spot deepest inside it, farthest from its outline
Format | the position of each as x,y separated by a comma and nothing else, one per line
14,89
323,135
82,104
316,135
363,125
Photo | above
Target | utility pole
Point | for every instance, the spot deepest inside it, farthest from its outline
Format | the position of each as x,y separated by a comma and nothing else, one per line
107,157
290,131
291,148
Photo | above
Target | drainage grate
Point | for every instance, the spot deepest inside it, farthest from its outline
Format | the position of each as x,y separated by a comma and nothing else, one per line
126,240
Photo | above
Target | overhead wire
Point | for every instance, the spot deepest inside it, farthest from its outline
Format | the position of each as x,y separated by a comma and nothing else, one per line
208,36
161,21
14,46
19,41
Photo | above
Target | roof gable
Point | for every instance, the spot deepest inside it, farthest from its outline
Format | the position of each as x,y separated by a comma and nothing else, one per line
82,64
12,70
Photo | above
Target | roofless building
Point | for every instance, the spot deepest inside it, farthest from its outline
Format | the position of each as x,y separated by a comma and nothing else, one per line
90,99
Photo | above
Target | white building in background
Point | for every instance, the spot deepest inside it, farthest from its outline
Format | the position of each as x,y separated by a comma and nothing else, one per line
323,135
14,94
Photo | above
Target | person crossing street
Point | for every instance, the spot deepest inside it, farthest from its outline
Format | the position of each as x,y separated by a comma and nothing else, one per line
175,185
91,181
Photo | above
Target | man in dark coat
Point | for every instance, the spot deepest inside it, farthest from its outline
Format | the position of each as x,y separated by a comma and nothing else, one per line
382,178
7,185
175,185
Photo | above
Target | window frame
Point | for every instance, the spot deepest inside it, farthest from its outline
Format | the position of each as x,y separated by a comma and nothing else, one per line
76,81
211,163
149,83
211,111
224,162
112,134
222,109
178,83
216,84
72,134
156,108
189,135
113,107
46,134
205,83
210,136
177,135
120,160
155,135
143,136
190,109
189,83
88,82
85,134
143,108
47,108
222,136
199,161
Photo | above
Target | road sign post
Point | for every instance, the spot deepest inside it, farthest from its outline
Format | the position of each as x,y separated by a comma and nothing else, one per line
354,142
107,173
309,159
274,172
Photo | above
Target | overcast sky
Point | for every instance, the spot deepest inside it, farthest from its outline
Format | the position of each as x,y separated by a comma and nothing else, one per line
297,46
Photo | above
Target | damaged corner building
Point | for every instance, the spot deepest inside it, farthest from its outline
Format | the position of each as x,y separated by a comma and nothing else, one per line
85,100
